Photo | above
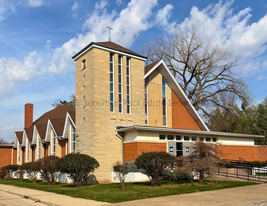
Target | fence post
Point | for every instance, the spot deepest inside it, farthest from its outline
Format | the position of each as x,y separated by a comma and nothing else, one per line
237,169
248,171
226,171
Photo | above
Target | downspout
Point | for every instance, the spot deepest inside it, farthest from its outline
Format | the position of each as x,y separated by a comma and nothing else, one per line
117,134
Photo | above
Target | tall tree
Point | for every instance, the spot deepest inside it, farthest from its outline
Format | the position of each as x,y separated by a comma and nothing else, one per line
203,70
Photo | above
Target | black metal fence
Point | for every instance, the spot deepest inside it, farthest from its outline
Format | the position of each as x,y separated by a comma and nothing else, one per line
251,171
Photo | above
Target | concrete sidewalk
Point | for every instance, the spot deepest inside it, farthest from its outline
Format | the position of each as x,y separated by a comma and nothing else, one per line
248,195
49,198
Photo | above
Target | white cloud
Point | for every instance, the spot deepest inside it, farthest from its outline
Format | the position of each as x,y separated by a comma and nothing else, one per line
260,77
15,72
75,6
101,5
118,2
35,3
6,8
219,24
163,15
127,24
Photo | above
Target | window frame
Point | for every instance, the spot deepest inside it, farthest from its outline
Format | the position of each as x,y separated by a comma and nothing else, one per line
111,82
120,84
164,99
128,85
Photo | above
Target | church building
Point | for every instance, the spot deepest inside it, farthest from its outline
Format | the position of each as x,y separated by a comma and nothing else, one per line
123,108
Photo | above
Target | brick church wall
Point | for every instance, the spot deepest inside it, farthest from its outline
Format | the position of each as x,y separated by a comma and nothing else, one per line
248,153
181,119
133,150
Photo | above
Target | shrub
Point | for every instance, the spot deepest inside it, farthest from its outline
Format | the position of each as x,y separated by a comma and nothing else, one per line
78,167
31,169
131,167
48,168
184,174
168,174
10,169
20,174
154,164
3,173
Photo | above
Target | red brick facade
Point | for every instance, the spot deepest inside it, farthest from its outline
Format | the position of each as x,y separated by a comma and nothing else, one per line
5,155
181,119
133,150
248,153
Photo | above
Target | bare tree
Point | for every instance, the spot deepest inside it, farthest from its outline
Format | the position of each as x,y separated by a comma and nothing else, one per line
204,159
202,69
121,171
2,141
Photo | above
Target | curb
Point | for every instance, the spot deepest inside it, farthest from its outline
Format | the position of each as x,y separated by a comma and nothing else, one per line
31,198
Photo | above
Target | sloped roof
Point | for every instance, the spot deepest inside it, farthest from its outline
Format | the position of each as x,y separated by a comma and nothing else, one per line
58,125
59,112
108,45
72,115
56,116
176,88
41,128
150,66
19,136
29,133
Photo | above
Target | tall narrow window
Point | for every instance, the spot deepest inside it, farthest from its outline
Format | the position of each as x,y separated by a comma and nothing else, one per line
146,105
83,64
73,140
128,85
53,144
164,102
120,83
111,78
39,148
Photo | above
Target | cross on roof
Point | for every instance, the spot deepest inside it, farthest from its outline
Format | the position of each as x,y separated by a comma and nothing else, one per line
109,27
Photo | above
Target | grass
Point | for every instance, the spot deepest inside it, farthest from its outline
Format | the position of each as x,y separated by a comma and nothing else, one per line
261,174
133,191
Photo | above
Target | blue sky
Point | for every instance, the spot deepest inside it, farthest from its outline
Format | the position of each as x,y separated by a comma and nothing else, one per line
39,37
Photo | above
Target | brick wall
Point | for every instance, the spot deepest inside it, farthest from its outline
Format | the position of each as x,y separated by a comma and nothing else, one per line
181,119
133,150
248,153
5,155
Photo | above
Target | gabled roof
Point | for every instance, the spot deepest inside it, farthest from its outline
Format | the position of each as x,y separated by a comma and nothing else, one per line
150,66
41,128
59,112
173,84
58,125
108,46
19,136
29,133
72,115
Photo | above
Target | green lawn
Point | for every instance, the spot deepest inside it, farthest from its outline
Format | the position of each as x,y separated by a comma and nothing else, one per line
133,191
